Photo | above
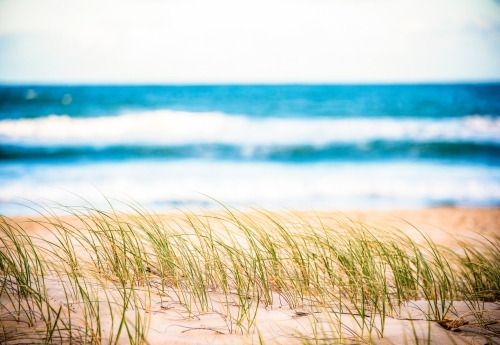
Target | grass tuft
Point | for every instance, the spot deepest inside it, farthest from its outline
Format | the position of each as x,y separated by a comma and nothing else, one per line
96,275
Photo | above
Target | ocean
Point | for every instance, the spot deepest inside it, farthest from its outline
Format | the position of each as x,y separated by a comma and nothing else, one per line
295,146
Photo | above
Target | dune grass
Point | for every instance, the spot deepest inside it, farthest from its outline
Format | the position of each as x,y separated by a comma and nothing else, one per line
108,268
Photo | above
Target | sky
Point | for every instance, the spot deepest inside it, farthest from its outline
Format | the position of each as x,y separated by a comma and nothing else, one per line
249,41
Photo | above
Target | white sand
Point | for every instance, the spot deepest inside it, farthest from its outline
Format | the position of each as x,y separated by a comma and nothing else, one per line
279,324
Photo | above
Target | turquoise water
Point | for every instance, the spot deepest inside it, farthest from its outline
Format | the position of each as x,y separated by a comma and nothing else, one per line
341,146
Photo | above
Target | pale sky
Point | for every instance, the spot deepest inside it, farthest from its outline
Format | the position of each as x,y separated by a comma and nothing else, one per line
249,41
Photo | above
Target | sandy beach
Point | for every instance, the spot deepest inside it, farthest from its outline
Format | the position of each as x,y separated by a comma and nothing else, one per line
438,222
250,172
465,221
173,315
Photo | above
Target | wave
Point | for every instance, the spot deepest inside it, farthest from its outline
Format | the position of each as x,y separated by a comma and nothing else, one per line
378,150
175,128
339,185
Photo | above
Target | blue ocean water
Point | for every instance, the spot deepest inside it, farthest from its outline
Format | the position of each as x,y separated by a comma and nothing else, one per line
340,146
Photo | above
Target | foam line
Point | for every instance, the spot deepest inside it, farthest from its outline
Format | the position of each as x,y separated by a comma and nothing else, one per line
168,127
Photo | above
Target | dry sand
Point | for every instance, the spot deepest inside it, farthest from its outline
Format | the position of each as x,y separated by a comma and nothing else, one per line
438,222
280,324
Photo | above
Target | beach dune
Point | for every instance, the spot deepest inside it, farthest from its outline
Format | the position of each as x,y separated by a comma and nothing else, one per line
253,277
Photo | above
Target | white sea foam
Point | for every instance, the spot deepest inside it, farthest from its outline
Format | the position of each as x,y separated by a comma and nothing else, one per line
339,185
168,127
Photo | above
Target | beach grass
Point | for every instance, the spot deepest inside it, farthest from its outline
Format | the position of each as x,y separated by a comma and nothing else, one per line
101,276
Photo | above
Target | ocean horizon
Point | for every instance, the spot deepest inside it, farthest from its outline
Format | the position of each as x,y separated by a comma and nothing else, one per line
300,146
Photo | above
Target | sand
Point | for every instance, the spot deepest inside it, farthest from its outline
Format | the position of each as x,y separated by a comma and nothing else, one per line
280,324
439,222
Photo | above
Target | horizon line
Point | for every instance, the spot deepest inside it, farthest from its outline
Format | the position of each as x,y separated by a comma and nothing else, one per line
353,83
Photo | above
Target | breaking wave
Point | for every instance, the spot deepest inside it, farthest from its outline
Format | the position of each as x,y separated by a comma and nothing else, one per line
176,128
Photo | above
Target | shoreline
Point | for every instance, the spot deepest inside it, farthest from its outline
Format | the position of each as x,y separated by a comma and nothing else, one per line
438,222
